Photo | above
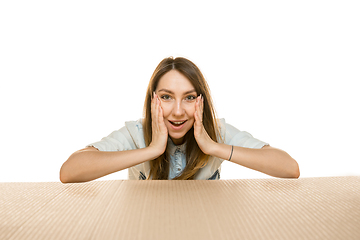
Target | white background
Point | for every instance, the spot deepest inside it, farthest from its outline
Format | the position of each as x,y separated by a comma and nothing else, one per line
74,71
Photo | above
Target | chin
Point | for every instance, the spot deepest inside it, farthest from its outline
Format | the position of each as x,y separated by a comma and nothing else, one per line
176,136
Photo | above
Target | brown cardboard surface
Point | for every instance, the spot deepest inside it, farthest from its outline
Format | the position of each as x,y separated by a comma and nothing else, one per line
308,208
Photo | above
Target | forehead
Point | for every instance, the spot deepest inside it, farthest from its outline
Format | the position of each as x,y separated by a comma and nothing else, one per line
175,82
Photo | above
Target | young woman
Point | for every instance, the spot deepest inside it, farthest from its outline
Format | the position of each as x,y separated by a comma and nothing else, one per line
179,137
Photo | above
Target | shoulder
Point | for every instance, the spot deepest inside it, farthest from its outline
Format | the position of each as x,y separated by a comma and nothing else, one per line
135,129
134,125
226,128
128,137
126,130
233,136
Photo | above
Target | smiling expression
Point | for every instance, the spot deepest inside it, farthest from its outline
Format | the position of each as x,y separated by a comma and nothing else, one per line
178,98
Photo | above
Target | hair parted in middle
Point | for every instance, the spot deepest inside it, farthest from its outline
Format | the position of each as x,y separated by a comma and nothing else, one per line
195,158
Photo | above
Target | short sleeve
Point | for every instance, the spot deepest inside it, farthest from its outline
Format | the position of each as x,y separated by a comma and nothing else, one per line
119,140
235,137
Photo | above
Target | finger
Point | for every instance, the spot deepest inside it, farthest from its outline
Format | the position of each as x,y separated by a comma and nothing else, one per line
159,109
197,108
200,111
161,116
197,124
196,115
156,109
202,104
153,101
159,100
200,116
197,104
153,106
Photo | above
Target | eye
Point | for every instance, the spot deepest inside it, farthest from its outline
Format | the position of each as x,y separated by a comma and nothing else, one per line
190,98
165,97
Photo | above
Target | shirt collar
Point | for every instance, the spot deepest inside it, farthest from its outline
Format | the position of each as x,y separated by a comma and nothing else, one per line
171,149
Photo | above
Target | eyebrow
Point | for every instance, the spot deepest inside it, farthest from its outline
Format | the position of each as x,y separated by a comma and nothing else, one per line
171,92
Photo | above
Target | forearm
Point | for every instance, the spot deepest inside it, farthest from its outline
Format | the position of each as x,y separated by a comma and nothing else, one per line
268,160
85,166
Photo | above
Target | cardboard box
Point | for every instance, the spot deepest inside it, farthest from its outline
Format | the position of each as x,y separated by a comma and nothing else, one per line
308,208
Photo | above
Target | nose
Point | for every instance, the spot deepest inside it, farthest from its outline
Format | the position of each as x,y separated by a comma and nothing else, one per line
178,109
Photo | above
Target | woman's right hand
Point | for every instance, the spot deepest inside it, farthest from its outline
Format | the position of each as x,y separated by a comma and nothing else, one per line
159,130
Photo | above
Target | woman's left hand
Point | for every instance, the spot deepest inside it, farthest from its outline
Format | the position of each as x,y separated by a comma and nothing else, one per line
201,136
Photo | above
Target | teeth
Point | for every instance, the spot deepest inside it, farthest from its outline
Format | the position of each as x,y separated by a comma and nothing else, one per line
178,122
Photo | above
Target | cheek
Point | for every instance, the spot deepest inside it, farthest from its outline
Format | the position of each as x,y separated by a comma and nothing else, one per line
166,109
191,110
166,112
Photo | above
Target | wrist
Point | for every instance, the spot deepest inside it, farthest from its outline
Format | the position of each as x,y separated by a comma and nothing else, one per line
222,151
154,152
213,149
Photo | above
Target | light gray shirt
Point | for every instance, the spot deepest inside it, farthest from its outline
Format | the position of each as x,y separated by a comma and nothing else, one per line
131,136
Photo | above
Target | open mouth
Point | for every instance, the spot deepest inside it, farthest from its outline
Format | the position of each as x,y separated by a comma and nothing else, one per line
176,123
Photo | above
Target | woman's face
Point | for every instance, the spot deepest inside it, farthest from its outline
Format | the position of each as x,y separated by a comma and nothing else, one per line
178,97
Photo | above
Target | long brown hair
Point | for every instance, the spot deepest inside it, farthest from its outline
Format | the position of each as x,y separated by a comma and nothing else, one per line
195,158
